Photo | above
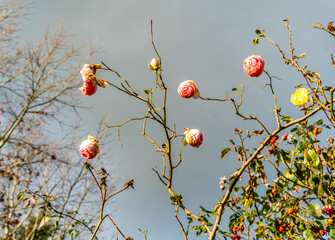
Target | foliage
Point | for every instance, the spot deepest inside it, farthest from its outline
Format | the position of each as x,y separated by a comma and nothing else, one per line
297,203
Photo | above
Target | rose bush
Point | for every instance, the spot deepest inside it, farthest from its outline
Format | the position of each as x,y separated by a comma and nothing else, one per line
285,175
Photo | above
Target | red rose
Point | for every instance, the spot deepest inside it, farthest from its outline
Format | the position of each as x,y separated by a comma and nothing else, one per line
253,66
89,88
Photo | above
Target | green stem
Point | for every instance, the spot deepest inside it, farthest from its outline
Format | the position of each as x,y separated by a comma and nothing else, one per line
103,200
96,229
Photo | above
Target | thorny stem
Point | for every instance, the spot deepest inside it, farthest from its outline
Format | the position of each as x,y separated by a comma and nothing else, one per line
236,107
271,87
168,144
97,140
153,44
277,110
134,94
116,226
103,197
101,212
126,186
103,191
322,28
331,93
180,160
181,226
144,134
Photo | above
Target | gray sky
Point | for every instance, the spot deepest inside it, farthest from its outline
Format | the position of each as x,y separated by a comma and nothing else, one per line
205,41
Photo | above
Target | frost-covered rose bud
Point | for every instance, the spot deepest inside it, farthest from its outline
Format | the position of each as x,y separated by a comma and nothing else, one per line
154,64
253,66
300,97
328,209
188,89
193,137
86,71
89,88
89,148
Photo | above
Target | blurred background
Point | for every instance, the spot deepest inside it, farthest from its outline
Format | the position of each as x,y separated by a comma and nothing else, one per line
205,41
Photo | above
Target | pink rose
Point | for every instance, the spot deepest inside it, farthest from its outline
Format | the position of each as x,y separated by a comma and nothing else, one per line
253,66
193,137
89,88
89,148
188,89
154,64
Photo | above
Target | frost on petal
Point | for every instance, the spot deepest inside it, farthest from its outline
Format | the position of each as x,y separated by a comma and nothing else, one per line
86,71
154,64
89,148
193,137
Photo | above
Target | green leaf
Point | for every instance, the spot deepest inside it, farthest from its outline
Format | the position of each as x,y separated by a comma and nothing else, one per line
287,119
19,196
320,122
311,135
332,233
258,32
315,210
224,152
255,41
234,89
308,235
314,157
248,203
232,142
289,173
